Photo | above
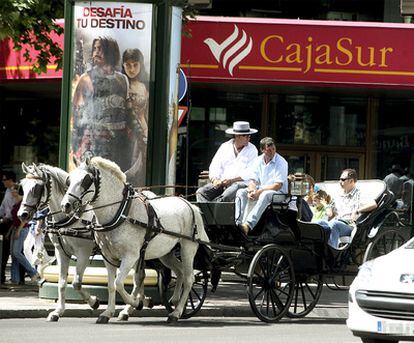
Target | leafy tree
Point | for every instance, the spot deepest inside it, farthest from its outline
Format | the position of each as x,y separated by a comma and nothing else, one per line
29,24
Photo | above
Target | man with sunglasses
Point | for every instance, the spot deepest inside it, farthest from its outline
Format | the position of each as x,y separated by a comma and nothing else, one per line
347,208
9,181
228,164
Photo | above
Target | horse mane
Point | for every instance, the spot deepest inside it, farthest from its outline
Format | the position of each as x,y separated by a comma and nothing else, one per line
58,174
110,166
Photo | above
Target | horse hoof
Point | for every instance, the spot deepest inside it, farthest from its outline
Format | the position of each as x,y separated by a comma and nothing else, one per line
140,305
53,318
102,320
172,320
123,317
96,304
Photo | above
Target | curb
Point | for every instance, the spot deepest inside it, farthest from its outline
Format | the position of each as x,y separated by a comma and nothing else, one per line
159,312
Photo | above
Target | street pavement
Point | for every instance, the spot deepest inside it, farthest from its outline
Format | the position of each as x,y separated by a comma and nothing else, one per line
230,300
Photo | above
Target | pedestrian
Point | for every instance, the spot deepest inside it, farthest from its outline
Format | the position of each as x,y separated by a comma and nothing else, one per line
394,182
9,181
34,248
18,235
231,160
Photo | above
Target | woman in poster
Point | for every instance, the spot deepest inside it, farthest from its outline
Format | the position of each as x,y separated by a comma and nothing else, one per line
137,104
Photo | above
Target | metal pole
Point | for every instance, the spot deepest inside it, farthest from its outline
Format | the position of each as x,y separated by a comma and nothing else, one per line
66,89
187,139
157,133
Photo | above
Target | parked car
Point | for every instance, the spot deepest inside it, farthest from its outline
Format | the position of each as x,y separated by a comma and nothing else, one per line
381,298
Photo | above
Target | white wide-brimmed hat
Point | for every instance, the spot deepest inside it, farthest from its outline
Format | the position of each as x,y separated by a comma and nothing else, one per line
241,128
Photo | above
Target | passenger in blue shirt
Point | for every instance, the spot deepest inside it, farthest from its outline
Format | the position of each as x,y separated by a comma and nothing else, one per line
268,176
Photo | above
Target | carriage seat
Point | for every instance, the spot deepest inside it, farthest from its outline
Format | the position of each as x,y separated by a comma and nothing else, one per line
217,213
312,232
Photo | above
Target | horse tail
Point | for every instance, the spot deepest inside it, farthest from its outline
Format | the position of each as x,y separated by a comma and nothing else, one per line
198,218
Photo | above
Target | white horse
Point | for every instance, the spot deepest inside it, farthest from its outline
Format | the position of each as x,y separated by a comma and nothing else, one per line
45,186
122,242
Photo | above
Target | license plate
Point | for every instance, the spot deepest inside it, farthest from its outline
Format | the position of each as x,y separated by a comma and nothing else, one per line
402,328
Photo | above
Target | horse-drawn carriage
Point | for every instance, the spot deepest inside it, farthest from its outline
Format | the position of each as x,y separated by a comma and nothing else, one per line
283,263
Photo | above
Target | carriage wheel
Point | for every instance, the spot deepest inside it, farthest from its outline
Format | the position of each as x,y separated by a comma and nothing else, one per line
196,296
307,292
383,243
270,282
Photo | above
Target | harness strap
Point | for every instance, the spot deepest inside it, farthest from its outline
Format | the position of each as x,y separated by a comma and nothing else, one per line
195,231
59,237
153,222
61,229
61,223
84,233
122,213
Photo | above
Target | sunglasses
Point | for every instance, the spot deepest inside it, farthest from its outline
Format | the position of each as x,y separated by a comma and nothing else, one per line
344,179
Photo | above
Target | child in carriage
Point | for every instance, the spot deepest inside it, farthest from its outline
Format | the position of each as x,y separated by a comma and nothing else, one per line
322,206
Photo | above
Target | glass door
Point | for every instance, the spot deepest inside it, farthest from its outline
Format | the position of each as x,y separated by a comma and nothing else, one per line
299,162
332,164
323,165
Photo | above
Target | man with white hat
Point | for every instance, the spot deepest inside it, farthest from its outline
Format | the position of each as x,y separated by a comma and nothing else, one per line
230,161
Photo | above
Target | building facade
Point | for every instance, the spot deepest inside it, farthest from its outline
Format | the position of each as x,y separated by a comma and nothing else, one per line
333,94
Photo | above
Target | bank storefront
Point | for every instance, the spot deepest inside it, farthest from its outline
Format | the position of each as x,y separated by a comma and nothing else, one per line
333,94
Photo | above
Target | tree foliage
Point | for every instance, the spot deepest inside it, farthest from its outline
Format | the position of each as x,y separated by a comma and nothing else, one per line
29,24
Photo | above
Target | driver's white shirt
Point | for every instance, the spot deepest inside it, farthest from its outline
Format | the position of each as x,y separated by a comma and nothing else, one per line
225,163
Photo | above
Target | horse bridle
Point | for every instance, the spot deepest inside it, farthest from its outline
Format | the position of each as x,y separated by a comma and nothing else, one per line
38,191
93,176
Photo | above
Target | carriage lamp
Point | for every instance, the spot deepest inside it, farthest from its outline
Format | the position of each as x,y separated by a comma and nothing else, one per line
299,184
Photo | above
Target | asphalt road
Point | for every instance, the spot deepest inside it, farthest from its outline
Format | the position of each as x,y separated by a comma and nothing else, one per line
199,329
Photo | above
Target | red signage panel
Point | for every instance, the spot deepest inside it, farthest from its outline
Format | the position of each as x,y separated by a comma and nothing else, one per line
13,65
299,51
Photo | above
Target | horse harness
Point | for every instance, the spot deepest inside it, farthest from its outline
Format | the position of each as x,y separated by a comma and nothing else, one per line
153,227
38,191
87,181
59,228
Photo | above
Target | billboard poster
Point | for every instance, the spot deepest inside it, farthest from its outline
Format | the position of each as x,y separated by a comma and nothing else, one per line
110,84
173,95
